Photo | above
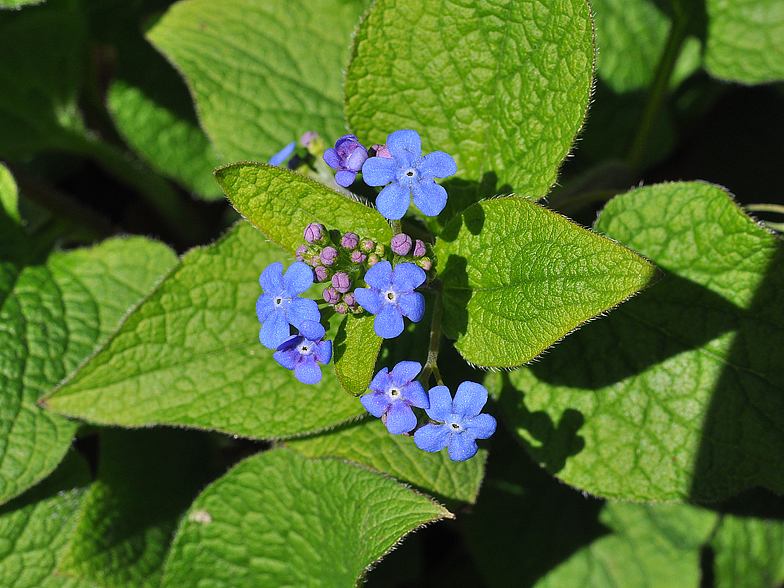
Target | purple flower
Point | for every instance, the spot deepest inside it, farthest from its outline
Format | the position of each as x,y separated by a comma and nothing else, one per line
391,296
283,154
301,352
280,304
401,244
408,173
460,423
393,395
347,157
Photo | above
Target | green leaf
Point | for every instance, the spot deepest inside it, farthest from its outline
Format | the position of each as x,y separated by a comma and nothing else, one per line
356,349
146,480
369,443
9,196
518,277
190,356
501,86
38,107
749,553
35,528
264,72
745,40
282,203
630,39
278,519
53,315
678,393
651,546
17,3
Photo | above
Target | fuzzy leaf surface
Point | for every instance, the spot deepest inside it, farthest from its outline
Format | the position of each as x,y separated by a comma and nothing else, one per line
518,277
678,393
262,72
279,519
190,356
369,443
54,312
282,203
501,86
749,552
356,349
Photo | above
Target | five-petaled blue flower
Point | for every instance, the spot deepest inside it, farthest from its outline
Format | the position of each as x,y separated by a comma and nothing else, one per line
347,156
280,304
407,173
391,296
460,421
301,352
393,394
282,155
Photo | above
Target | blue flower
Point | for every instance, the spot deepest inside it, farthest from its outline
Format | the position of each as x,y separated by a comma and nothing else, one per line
283,154
391,296
280,304
301,352
393,395
407,173
460,421
347,156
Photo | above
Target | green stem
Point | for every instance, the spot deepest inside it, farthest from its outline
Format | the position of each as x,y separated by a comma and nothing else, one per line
777,208
397,227
431,366
658,89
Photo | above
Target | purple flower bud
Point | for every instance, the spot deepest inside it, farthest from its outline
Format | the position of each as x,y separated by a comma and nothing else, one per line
341,282
350,241
321,274
382,151
314,233
424,263
301,252
373,260
367,245
358,257
328,255
315,261
347,157
308,138
401,244
330,295
350,300
419,248
341,308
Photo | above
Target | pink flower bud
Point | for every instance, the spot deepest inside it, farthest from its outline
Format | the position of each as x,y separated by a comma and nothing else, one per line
419,248
341,282
350,241
401,244
330,295
321,274
314,233
301,252
328,255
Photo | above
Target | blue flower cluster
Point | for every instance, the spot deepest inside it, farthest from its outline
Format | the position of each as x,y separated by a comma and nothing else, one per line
381,279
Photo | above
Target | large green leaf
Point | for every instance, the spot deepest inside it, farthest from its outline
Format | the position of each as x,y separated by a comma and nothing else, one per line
369,443
745,40
190,356
518,277
17,3
749,553
262,72
356,349
282,203
502,86
54,312
278,519
678,393
146,480
35,528
9,197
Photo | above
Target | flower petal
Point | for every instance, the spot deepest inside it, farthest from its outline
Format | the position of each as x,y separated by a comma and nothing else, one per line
275,330
376,403
271,279
406,277
379,276
481,426
357,159
381,381
332,158
412,305
298,278
462,447
379,171
324,352
400,418
388,323
370,300
307,370
345,177
311,330
437,165
469,400
264,306
432,438
440,404
299,310
429,197
404,372
393,201
415,394
283,154
287,358
405,147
